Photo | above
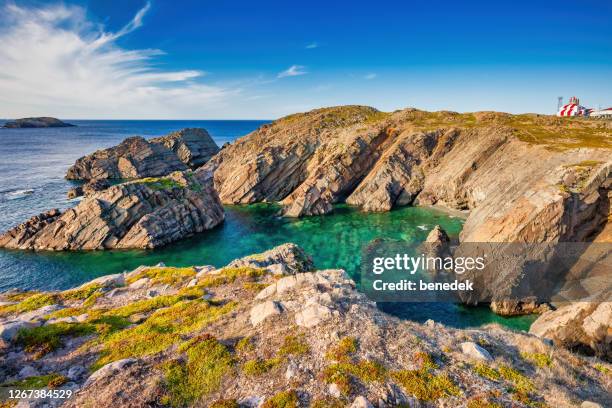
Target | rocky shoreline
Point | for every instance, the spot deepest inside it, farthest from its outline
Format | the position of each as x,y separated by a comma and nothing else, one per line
40,122
269,330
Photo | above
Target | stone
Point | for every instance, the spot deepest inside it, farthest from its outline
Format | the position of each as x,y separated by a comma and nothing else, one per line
292,258
590,404
312,315
108,281
361,402
277,269
109,369
27,371
202,271
90,187
140,214
193,146
140,283
75,372
192,283
579,325
262,311
334,390
474,351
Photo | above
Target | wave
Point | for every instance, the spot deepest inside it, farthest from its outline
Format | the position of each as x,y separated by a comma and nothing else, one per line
422,227
16,194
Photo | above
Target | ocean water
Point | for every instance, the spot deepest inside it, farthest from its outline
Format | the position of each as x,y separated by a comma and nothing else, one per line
35,161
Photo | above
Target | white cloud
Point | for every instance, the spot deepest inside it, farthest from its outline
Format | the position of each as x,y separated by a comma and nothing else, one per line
312,45
293,70
370,76
54,61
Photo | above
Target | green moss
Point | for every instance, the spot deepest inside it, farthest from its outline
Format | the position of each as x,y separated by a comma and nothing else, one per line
66,312
80,293
284,399
343,374
159,183
293,345
258,367
602,368
30,303
482,403
225,403
485,371
346,347
230,275
522,384
164,275
425,361
424,385
328,402
39,381
539,359
207,361
162,329
44,339
145,305
245,345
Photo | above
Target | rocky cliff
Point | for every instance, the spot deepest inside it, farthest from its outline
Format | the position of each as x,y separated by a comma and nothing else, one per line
41,122
269,331
137,157
522,177
146,213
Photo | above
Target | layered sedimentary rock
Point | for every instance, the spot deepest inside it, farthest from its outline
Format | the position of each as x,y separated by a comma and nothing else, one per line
146,213
40,122
90,187
521,178
137,157
193,146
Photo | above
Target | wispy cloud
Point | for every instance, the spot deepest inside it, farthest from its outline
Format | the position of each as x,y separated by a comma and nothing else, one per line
53,60
294,70
312,45
369,76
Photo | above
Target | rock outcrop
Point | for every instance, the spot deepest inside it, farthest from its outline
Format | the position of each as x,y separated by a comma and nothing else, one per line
146,213
585,326
137,157
522,178
41,122
193,146
90,187
245,336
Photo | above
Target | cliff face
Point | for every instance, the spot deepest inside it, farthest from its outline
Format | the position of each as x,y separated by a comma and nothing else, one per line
523,178
137,157
146,213
267,330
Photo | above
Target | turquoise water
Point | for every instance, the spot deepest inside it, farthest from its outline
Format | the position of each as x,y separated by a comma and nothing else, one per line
35,161
333,241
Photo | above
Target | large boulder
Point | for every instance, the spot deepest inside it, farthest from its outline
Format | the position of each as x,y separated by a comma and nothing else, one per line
584,326
137,157
289,258
146,213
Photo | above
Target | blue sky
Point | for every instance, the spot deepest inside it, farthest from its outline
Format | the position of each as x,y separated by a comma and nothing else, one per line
204,59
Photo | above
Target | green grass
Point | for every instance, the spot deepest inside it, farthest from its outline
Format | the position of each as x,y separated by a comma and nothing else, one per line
164,275
602,368
161,330
539,359
207,362
159,183
145,305
521,383
345,373
230,275
225,403
485,371
345,348
39,381
30,303
293,345
482,403
283,399
328,402
424,385
81,293
258,367
44,339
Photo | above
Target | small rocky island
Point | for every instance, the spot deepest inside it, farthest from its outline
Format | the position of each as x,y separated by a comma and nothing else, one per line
270,330
40,122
